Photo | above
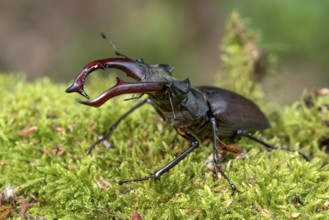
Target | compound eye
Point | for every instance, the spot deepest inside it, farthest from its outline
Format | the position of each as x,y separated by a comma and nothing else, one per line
140,60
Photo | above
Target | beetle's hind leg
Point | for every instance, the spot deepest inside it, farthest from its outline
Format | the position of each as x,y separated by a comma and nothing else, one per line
115,125
217,154
248,135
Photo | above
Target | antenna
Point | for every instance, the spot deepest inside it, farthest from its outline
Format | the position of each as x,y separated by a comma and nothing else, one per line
171,104
113,46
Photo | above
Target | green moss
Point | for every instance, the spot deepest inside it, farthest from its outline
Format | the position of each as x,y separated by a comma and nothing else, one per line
44,135
243,60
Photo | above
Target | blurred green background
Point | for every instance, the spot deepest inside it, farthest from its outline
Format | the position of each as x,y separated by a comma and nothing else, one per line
57,38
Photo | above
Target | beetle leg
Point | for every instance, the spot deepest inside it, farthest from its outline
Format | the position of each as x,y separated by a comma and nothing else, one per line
157,174
218,156
237,151
115,125
246,134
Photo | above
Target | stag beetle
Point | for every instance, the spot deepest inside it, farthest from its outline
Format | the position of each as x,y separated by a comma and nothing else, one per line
196,113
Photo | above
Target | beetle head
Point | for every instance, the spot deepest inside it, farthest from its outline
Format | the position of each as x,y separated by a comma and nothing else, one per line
137,70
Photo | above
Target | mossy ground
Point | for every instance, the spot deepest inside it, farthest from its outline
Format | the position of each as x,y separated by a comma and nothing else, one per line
49,163
44,135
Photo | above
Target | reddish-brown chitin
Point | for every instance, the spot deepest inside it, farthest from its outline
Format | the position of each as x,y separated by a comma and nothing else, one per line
133,69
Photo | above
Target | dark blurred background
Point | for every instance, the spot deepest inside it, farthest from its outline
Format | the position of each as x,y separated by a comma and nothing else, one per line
57,38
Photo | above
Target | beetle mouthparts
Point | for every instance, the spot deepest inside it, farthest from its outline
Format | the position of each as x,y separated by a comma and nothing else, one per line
120,88
78,88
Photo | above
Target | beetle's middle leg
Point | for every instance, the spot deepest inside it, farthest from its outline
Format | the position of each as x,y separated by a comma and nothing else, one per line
194,143
115,125
246,134
218,155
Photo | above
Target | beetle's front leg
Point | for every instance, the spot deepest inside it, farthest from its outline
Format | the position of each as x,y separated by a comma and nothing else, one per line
194,143
218,155
115,125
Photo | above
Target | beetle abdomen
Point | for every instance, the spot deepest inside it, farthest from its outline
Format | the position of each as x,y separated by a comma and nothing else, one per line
232,111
